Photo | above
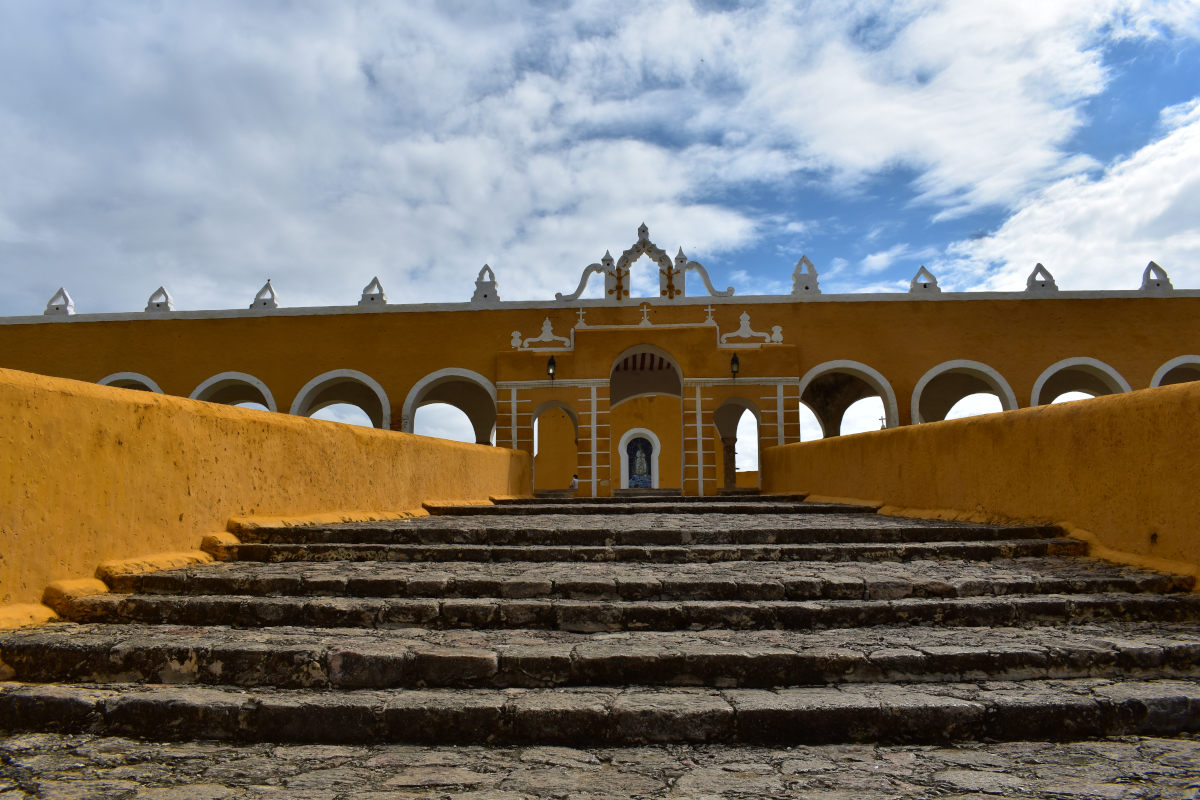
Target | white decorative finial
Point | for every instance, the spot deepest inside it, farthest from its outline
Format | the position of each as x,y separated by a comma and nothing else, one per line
373,294
643,233
266,297
804,278
1040,280
680,258
923,282
1154,279
486,291
160,300
60,303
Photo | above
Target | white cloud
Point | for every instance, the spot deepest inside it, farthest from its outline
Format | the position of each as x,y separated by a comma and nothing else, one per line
1100,232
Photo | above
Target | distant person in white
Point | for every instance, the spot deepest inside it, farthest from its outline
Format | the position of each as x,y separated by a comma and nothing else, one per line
574,483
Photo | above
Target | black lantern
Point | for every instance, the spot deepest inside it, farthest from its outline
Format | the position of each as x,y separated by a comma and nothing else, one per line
735,366
551,367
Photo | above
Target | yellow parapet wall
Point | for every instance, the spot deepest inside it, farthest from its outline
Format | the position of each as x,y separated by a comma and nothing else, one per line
1122,471
92,473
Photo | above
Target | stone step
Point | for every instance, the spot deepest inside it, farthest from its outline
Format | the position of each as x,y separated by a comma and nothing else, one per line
559,499
1053,709
730,580
659,554
409,532
644,506
594,616
326,658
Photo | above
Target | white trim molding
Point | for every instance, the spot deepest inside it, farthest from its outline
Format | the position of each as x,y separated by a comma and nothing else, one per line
1178,361
224,378
412,399
868,375
117,379
977,369
300,406
1092,366
629,435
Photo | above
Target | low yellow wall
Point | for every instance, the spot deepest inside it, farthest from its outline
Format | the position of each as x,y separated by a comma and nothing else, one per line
91,473
1122,471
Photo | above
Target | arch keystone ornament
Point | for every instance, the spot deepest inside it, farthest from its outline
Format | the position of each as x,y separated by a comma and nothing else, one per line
804,278
1155,280
60,304
1040,280
486,292
923,282
373,295
266,297
160,301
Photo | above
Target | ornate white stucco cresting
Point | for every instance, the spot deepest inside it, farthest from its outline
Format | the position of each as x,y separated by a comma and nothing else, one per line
160,301
546,338
1040,280
60,304
266,297
804,278
1155,280
744,331
588,271
923,282
486,293
373,295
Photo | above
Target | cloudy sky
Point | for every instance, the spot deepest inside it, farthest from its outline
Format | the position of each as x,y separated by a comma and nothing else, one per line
208,146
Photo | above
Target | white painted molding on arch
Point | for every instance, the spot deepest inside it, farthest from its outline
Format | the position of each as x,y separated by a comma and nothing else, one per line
118,378
240,377
628,436
871,376
1116,381
409,409
1178,361
1008,398
308,390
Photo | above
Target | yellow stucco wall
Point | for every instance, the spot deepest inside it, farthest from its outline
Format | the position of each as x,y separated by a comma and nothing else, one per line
90,473
557,458
659,414
1120,470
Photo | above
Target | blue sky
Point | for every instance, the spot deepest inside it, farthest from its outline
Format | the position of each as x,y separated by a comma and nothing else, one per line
207,146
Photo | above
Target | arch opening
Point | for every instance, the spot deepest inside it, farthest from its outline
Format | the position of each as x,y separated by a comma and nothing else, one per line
810,426
1183,369
1087,375
643,370
235,389
862,416
130,380
974,405
556,446
829,390
465,390
1071,397
344,387
736,421
942,388
345,413
443,421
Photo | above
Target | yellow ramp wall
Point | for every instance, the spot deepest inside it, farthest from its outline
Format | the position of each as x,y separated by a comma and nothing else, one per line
1122,471
90,473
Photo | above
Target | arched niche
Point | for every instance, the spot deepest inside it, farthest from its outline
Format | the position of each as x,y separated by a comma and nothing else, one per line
232,388
344,386
941,387
644,370
623,449
1087,375
1181,369
828,389
130,380
466,390
556,457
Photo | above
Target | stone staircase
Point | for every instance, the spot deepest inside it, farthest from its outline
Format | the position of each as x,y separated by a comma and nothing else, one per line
624,621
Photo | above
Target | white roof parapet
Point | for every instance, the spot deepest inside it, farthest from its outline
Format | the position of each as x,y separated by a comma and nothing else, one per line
804,278
266,297
373,295
486,291
1155,280
160,300
60,304
923,282
1040,280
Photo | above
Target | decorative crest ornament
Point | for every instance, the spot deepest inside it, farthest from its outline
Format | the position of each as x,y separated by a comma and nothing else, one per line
744,331
1155,280
373,295
804,278
546,337
486,292
160,300
1040,280
923,282
60,304
266,297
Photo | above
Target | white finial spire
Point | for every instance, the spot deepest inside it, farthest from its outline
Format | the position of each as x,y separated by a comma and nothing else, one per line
266,297
60,304
373,294
160,300
923,282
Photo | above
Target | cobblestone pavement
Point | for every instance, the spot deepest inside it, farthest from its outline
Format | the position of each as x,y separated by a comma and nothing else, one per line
52,767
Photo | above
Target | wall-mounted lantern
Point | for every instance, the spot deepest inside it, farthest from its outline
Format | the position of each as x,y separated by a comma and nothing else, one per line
551,367
735,366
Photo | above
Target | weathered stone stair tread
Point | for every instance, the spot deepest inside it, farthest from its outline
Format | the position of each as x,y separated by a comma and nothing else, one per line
982,550
851,712
601,615
756,506
751,497
564,530
863,580
291,657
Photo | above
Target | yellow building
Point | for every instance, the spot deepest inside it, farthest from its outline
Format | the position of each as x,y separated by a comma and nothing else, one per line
635,391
